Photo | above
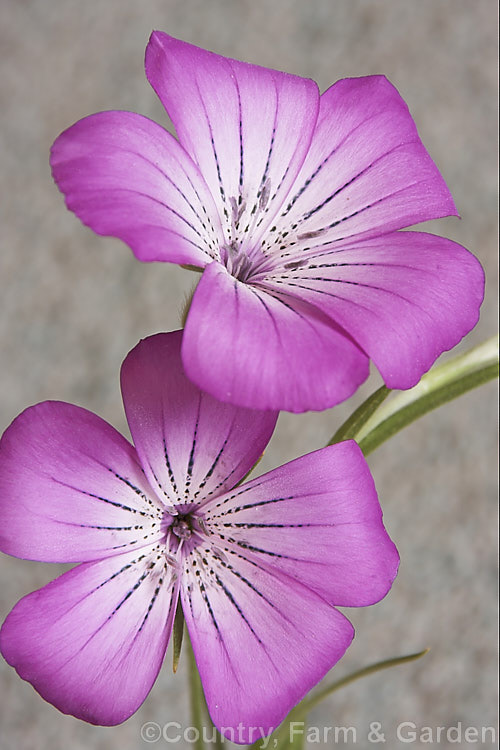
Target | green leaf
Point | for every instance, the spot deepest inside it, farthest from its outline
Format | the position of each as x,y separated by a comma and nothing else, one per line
178,633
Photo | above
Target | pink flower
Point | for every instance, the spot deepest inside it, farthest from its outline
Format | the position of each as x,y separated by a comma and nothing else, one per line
257,567
291,202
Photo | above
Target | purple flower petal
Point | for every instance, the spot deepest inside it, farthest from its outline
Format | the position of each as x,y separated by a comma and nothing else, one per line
316,519
125,176
244,345
405,297
248,128
190,445
366,172
269,179
261,640
260,565
92,641
71,488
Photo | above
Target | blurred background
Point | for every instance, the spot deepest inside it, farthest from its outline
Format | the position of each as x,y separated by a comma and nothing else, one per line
73,304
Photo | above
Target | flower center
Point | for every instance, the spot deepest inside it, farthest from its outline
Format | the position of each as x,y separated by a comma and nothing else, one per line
181,527
242,257
236,261
184,530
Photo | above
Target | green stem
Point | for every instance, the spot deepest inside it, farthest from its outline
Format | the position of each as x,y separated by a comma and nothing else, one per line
199,711
309,703
359,417
281,736
197,697
375,422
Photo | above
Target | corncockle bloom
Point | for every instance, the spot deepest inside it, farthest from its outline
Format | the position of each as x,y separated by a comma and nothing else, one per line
257,567
291,202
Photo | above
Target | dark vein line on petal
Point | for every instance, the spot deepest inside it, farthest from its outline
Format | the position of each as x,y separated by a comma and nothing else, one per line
169,468
379,264
212,141
132,486
137,490
125,567
411,302
209,607
250,585
245,488
302,317
235,604
158,483
157,168
252,548
335,151
189,472
103,499
109,618
240,132
268,311
339,190
305,186
265,183
117,573
246,525
131,591
211,470
359,211
214,465
152,601
96,526
112,191
256,504
322,291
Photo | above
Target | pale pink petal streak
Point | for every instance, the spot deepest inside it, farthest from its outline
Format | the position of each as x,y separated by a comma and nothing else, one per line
190,445
92,641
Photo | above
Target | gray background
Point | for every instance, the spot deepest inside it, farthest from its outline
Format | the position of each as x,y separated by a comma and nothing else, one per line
73,304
